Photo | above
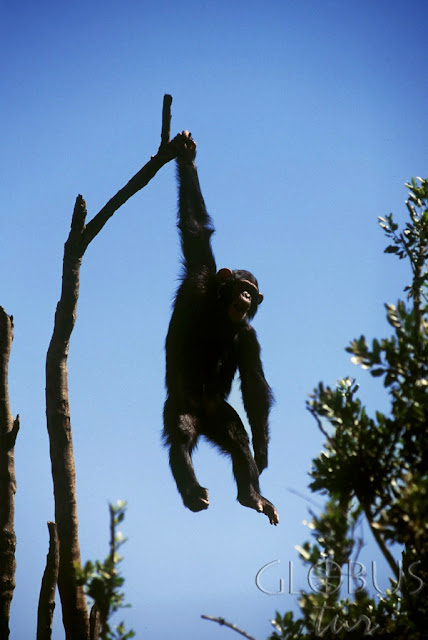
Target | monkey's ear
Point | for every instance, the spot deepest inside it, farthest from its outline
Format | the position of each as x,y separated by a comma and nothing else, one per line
261,296
223,274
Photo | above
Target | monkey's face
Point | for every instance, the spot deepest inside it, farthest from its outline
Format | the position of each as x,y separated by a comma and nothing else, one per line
239,293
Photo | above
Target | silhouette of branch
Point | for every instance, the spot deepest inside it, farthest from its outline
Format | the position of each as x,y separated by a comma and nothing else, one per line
223,622
73,601
47,592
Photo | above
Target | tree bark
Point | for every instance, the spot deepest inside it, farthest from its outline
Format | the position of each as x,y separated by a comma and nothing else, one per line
94,623
8,432
48,588
73,602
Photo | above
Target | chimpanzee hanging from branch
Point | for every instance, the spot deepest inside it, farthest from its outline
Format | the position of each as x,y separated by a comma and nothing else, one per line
209,338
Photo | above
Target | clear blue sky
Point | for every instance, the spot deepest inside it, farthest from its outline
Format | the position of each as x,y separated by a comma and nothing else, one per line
309,117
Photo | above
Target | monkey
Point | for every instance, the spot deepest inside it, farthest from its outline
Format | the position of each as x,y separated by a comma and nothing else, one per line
209,339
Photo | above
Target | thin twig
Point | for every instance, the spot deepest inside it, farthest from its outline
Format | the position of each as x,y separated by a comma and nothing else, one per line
380,541
224,622
305,498
318,421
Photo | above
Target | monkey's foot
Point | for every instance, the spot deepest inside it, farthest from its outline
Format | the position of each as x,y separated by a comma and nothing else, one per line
196,498
260,504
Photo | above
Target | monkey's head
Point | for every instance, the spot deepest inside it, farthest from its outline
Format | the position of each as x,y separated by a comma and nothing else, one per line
238,292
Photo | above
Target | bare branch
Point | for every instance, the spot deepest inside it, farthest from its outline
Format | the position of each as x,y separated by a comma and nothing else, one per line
166,152
8,432
224,622
78,218
166,120
94,623
8,439
47,592
378,537
319,424
73,601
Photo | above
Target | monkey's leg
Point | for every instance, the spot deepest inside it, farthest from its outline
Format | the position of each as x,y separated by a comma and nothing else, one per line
225,428
181,434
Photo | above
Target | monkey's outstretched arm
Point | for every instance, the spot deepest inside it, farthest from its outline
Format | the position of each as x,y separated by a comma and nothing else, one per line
194,223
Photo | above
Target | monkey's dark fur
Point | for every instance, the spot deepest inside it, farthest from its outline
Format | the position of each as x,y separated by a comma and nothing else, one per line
209,339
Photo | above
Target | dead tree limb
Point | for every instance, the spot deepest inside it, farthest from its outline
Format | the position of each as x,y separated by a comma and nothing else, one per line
8,432
166,120
167,151
223,622
48,588
94,623
73,602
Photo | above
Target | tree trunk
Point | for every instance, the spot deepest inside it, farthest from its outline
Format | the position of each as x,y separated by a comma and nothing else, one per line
73,602
8,432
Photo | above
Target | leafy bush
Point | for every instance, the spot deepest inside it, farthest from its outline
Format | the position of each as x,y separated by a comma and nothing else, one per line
375,467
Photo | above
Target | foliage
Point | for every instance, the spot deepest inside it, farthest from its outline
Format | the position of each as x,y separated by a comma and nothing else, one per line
102,582
375,468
